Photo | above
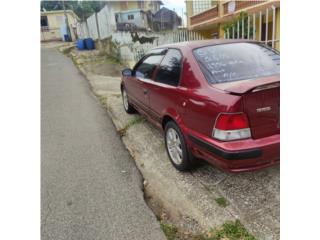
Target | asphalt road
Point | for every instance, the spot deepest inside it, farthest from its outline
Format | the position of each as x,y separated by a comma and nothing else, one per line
90,186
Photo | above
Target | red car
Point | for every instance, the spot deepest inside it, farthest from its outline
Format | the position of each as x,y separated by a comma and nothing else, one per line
217,100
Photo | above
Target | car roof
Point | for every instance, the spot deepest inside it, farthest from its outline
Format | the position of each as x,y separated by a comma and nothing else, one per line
203,43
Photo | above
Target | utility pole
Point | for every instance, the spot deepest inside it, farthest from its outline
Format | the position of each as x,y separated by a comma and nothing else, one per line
66,22
182,22
161,21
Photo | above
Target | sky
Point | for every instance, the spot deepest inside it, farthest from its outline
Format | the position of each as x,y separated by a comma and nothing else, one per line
178,6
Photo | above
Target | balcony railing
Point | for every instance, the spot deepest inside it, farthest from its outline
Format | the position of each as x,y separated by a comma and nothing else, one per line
204,16
239,5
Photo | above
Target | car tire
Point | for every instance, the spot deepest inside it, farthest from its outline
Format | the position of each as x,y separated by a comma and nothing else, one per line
125,101
178,152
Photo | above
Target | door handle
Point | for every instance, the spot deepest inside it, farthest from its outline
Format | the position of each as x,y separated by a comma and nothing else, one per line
145,91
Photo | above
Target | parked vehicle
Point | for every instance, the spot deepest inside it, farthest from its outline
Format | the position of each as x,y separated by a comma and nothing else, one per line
217,100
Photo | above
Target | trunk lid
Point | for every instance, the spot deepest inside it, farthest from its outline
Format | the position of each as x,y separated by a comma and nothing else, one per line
243,86
261,102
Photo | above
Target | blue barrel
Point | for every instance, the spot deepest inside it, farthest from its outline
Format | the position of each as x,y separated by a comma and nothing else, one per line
89,43
81,44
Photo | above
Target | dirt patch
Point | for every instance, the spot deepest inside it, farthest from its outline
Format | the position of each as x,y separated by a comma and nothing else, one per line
94,61
104,65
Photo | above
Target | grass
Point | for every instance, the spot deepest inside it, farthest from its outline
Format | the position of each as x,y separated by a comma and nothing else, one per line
222,202
230,231
113,60
105,59
67,50
73,59
116,95
98,59
132,122
169,230
103,100
163,146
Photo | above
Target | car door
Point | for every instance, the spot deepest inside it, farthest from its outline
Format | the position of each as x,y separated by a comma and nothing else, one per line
143,73
164,92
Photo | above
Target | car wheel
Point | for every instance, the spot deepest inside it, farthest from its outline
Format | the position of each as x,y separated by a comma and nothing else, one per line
177,150
127,106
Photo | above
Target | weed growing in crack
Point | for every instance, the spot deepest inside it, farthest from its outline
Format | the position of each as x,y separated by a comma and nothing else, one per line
231,231
73,59
66,51
113,60
222,202
163,146
169,230
132,122
103,100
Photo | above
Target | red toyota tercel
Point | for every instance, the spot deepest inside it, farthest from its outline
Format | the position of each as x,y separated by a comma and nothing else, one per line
217,100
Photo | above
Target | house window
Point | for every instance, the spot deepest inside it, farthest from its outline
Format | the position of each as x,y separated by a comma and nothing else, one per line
140,4
201,5
44,21
130,17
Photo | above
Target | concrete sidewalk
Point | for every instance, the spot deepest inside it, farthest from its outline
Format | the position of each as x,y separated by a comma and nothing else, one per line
190,199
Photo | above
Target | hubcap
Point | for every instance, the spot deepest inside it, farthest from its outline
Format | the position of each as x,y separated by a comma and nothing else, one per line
174,146
125,99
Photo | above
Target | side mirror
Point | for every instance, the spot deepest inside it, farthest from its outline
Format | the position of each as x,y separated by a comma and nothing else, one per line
127,72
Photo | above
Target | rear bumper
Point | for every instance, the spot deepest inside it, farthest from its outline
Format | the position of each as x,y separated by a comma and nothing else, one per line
237,156
228,155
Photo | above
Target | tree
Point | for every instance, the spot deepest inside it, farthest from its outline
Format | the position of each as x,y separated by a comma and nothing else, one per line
234,25
51,5
83,9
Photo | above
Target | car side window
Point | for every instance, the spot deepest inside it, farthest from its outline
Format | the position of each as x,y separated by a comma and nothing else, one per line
147,66
170,68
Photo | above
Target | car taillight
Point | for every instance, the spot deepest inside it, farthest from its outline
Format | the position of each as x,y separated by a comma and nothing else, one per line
231,126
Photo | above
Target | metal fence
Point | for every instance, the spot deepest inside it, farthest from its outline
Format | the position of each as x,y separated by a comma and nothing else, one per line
245,28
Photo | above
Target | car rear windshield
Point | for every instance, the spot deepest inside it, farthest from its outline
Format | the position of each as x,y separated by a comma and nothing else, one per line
237,61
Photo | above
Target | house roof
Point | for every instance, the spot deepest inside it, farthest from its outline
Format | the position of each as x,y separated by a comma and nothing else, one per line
45,13
132,11
164,14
